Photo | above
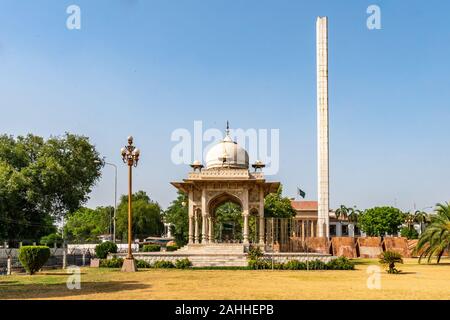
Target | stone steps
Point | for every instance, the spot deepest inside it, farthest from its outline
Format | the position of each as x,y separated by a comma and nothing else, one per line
219,260
212,248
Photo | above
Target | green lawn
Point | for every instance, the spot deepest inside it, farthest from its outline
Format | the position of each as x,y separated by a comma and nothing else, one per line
416,282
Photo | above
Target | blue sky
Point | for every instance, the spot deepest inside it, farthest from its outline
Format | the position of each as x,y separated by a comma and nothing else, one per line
147,68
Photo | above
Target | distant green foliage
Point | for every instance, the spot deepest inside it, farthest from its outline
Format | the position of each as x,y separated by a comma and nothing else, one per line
147,217
277,206
409,233
51,239
111,263
163,264
33,258
102,249
177,215
380,221
390,258
151,248
183,263
85,225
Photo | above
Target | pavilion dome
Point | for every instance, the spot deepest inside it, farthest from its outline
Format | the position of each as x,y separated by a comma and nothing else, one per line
227,154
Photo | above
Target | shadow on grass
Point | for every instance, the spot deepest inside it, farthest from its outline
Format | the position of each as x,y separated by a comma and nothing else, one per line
60,291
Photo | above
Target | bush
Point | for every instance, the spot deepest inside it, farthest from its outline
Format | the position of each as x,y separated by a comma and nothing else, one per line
259,264
172,248
409,233
341,263
163,264
151,248
294,265
111,263
183,263
142,264
33,258
316,265
102,250
254,253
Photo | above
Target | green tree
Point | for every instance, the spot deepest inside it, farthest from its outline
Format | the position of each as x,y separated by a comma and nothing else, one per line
230,213
41,180
147,217
277,206
380,221
177,215
422,218
85,225
342,211
436,237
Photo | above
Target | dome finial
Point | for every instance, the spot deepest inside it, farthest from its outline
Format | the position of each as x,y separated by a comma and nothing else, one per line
228,128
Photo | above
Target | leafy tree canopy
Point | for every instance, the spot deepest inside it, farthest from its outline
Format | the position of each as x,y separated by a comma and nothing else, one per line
277,206
85,225
380,221
41,180
147,217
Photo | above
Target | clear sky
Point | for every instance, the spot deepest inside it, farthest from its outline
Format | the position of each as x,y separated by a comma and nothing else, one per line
147,68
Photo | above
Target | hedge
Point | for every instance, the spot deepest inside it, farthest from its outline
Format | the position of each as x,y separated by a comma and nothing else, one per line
33,258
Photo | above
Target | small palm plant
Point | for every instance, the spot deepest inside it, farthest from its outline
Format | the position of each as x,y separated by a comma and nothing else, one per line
390,258
436,238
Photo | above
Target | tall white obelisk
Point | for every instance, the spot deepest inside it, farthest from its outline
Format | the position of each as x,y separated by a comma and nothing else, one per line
322,126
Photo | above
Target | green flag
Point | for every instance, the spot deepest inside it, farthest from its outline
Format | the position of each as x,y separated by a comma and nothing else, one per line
301,193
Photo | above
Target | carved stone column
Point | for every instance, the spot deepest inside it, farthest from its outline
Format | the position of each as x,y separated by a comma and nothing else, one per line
191,229
246,228
191,216
196,235
245,214
261,217
210,230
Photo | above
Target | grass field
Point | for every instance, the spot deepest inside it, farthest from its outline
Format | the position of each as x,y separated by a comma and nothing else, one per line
415,282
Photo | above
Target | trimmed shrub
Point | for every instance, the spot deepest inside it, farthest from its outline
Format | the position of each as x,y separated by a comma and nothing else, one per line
294,265
33,258
142,264
341,263
111,263
151,248
163,264
183,263
102,249
172,248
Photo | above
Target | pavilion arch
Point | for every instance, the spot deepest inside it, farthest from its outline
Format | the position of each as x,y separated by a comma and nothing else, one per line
222,198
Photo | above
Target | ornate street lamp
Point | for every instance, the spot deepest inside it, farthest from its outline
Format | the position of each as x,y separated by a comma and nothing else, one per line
130,156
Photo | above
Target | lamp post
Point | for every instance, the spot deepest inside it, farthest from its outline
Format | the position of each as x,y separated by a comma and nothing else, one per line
115,194
130,156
